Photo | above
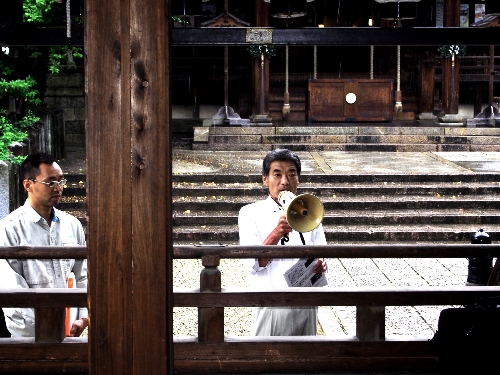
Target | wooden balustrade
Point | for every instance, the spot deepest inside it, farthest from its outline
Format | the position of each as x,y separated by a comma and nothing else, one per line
211,352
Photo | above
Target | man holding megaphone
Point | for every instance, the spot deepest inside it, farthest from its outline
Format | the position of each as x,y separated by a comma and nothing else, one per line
273,222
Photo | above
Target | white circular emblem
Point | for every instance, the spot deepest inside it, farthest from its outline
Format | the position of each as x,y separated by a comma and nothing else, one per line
350,98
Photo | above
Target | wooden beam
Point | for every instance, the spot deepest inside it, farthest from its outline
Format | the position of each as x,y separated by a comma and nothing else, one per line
23,356
43,252
43,297
127,52
356,296
339,251
305,354
247,355
463,250
338,36
28,35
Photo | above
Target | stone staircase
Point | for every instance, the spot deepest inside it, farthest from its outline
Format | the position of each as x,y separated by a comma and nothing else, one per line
342,137
358,208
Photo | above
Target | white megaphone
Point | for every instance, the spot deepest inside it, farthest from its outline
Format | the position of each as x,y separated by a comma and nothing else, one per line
304,212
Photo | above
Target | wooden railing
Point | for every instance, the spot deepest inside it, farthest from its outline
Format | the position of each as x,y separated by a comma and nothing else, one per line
211,352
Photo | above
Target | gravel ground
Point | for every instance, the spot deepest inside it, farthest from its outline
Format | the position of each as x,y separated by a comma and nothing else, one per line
336,321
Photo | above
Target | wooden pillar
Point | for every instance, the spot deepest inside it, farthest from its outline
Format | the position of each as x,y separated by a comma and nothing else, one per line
261,76
427,82
49,325
450,76
210,319
370,323
127,88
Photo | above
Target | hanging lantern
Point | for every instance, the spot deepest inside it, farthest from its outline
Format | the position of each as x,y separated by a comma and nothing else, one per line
288,8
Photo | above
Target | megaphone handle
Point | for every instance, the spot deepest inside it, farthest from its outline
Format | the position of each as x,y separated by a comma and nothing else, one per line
284,239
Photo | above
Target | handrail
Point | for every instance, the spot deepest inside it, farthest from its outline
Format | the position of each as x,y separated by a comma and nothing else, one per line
327,296
241,252
338,251
43,298
43,252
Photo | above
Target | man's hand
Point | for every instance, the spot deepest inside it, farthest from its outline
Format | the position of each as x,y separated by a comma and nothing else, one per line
320,266
279,232
275,236
78,327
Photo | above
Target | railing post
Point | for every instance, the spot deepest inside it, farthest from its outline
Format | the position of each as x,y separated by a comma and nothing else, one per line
210,319
370,323
49,325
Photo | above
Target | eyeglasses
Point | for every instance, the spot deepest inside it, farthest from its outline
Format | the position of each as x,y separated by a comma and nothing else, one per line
52,184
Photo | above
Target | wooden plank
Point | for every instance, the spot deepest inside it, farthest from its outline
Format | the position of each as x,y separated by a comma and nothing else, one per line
151,187
249,354
355,296
370,323
129,186
107,77
372,100
49,326
339,251
22,355
43,297
43,252
308,354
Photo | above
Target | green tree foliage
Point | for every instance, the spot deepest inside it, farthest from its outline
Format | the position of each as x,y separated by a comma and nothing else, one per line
23,71
43,11
14,131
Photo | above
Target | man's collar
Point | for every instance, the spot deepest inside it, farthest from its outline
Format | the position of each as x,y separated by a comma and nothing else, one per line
35,216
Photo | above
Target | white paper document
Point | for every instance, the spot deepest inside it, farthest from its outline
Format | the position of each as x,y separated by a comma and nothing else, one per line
301,274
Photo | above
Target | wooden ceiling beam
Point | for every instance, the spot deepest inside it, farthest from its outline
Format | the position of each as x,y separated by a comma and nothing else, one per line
354,36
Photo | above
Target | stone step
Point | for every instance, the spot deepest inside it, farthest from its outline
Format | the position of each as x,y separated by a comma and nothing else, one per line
333,191
255,179
359,207
475,217
224,204
351,139
368,129
347,138
228,234
379,147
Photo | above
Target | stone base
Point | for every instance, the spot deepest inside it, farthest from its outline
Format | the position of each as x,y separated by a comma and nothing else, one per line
261,120
489,117
426,116
451,120
483,122
226,117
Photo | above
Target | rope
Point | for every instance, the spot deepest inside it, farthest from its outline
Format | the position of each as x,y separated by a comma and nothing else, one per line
372,52
286,101
315,73
398,88
68,19
398,107
286,69
68,32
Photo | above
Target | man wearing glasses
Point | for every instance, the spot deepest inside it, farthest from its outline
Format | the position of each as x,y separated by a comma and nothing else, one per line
39,223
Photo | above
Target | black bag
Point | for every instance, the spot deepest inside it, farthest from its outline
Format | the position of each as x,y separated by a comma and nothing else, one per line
467,340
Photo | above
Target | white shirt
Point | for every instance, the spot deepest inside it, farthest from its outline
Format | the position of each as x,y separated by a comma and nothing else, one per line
25,227
255,222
